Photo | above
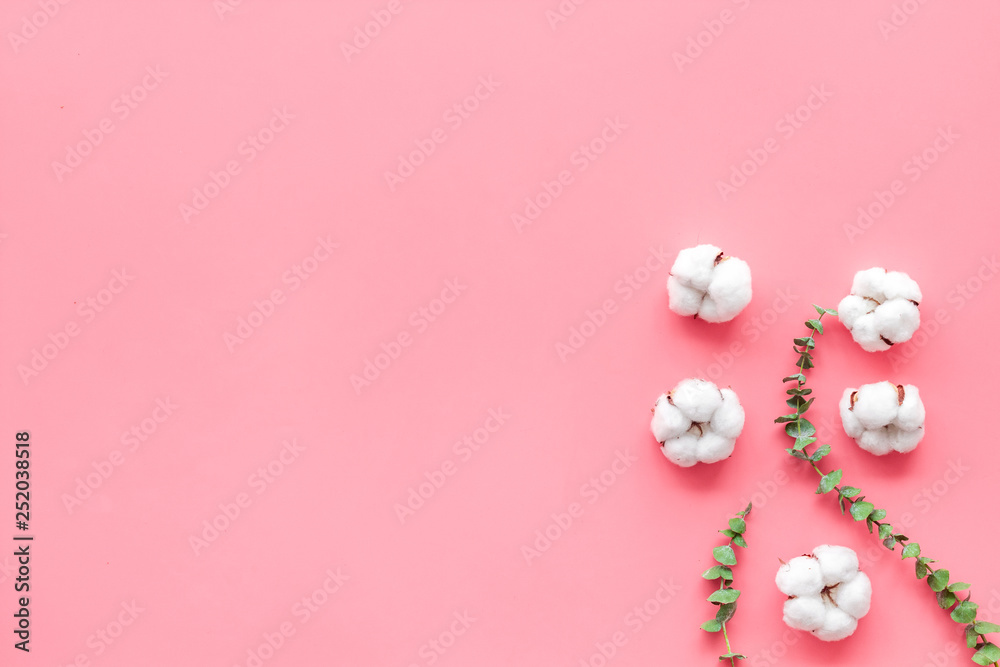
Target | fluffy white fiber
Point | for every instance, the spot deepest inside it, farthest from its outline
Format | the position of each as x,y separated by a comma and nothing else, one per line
827,592
706,283
881,309
883,417
696,422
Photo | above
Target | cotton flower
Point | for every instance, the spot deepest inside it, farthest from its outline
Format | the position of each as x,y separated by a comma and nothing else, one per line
827,592
708,284
883,417
696,422
881,309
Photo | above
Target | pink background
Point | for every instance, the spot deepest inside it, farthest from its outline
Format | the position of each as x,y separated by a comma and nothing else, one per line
676,131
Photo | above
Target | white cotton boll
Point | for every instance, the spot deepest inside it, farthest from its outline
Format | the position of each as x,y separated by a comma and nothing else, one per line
730,290
729,416
879,421
911,411
852,307
799,577
898,285
828,592
854,596
696,422
836,563
837,625
876,404
684,300
889,314
877,442
866,334
694,266
852,426
707,284
682,450
804,613
713,448
697,399
897,320
870,282
668,421
907,441
710,311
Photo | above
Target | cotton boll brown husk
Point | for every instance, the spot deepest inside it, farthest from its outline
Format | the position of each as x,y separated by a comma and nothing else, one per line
882,308
883,417
706,283
827,592
696,422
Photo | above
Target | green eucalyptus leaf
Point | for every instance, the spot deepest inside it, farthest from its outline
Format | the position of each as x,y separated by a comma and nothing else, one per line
939,580
861,510
987,655
726,612
985,627
711,626
803,442
800,428
829,480
740,541
724,555
965,612
911,550
737,525
815,325
724,595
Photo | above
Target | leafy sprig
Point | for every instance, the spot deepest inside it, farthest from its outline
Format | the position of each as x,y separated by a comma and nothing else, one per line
803,433
726,595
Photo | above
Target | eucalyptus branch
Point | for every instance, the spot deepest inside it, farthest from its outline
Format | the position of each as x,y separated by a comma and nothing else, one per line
803,433
725,596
